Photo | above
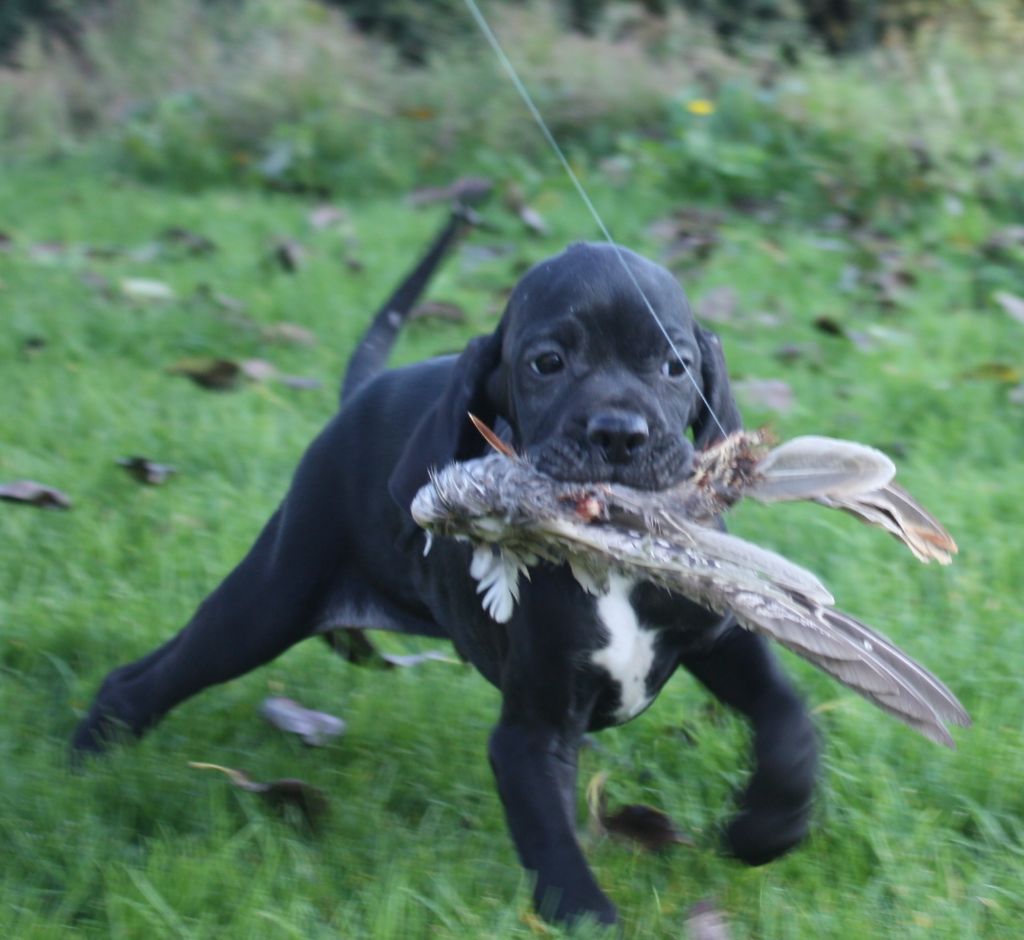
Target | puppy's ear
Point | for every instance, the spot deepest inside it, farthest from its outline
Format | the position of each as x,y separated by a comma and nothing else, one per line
717,394
445,433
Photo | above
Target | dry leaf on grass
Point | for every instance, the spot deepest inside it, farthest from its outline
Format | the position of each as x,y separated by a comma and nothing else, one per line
258,370
1005,239
31,345
147,471
47,252
469,189
187,241
706,922
1011,303
794,352
216,374
225,302
994,371
648,827
146,289
313,727
355,647
288,333
829,326
438,310
288,254
279,794
34,494
403,660
326,216
223,374
689,234
530,217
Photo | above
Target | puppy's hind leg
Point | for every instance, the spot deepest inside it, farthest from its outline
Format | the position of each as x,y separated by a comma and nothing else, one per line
267,604
774,810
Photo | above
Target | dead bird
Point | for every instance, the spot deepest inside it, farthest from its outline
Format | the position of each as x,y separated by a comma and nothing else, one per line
517,516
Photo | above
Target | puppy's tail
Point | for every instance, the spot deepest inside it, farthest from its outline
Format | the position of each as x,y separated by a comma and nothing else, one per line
370,356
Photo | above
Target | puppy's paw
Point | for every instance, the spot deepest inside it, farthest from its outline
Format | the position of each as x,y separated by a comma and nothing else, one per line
570,908
761,835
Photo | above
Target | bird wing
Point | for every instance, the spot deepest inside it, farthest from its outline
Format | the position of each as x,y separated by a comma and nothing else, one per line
892,508
809,466
773,596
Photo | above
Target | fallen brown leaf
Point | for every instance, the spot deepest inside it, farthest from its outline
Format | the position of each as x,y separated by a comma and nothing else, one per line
689,234
468,189
225,302
516,203
187,241
649,827
288,254
258,370
31,345
215,374
147,471
1005,239
98,282
705,922
326,216
438,310
994,371
1011,303
47,252
533,220
280,794
354,646
146,289
288,333
313,727
829,326
34,494
794,352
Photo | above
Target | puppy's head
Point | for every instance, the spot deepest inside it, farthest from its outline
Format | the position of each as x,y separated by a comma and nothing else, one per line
590,382
585,378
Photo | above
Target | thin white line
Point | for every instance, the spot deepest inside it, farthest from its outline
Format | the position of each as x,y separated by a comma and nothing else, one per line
510,70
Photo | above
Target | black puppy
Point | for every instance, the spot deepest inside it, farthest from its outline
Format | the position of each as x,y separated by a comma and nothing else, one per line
579,376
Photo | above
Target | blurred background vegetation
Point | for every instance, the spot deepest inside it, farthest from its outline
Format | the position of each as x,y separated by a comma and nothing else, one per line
851,104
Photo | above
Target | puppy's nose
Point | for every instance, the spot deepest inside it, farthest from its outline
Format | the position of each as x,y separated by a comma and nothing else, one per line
618,434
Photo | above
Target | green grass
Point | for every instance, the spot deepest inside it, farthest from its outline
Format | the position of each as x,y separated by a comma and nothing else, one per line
909,841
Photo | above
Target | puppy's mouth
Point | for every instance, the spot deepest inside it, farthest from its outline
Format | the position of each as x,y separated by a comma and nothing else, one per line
661,464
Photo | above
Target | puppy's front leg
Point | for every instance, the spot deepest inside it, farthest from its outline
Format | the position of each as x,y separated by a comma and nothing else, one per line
535,766
775,808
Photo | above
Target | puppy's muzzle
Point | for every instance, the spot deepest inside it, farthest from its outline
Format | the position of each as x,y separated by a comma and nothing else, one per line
618,435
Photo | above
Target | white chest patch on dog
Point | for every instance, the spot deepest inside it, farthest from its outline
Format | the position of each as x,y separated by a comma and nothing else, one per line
629,655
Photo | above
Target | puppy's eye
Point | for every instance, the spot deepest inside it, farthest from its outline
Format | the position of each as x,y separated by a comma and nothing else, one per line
547,363
673,368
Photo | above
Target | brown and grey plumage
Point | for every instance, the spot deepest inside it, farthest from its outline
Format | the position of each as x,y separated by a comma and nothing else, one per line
516,516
